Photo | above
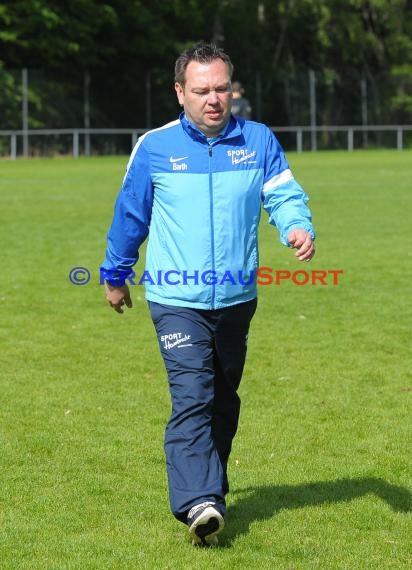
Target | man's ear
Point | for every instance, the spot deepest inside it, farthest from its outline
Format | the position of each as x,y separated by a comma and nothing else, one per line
180,93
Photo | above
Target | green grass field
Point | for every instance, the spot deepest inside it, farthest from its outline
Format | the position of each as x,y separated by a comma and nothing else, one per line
321,466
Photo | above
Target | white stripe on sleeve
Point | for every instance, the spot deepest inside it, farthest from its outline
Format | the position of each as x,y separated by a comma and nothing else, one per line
285,176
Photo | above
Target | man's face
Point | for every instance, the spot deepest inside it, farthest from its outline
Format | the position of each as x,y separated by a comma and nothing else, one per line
206,96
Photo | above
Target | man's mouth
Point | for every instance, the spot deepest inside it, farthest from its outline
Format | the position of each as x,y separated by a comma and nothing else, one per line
214,114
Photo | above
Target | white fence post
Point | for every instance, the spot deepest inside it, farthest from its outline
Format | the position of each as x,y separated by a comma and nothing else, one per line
350,139
75,144
13,146
312,97
299,144
86,96
399,139
25,111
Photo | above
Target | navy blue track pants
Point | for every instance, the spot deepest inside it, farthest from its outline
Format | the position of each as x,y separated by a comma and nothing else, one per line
204,353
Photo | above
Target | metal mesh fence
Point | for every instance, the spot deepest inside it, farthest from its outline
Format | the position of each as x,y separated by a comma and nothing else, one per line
147,100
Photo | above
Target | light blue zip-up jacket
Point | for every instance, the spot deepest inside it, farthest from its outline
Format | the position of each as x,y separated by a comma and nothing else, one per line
202,202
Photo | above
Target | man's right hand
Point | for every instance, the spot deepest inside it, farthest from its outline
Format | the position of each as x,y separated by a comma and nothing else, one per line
118,296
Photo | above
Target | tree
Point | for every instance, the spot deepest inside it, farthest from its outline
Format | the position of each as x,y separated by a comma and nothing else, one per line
128,49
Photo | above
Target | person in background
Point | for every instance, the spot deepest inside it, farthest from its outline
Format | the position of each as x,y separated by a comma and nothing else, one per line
240,104
195,186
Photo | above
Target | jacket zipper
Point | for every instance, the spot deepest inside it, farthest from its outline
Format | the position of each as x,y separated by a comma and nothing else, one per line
212,227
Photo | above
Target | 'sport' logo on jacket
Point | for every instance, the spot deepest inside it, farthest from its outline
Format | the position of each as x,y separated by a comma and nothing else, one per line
242,155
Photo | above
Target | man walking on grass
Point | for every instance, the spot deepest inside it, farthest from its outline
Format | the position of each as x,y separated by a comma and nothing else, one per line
195,186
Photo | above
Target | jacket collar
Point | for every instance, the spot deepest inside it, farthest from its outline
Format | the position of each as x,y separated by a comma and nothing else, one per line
233,129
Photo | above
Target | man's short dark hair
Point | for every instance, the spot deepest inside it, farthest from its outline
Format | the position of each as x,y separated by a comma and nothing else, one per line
202,53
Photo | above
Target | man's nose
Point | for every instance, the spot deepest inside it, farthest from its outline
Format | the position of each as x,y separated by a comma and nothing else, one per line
212,98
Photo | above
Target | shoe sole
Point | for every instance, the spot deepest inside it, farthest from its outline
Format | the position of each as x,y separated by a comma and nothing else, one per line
205,528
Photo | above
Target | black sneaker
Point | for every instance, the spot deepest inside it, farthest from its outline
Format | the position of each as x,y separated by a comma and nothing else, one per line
205,522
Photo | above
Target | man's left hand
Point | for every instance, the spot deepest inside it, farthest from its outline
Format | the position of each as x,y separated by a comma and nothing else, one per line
302,241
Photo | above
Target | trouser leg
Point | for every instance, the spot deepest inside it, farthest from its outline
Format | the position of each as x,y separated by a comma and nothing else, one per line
195,473
230,343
